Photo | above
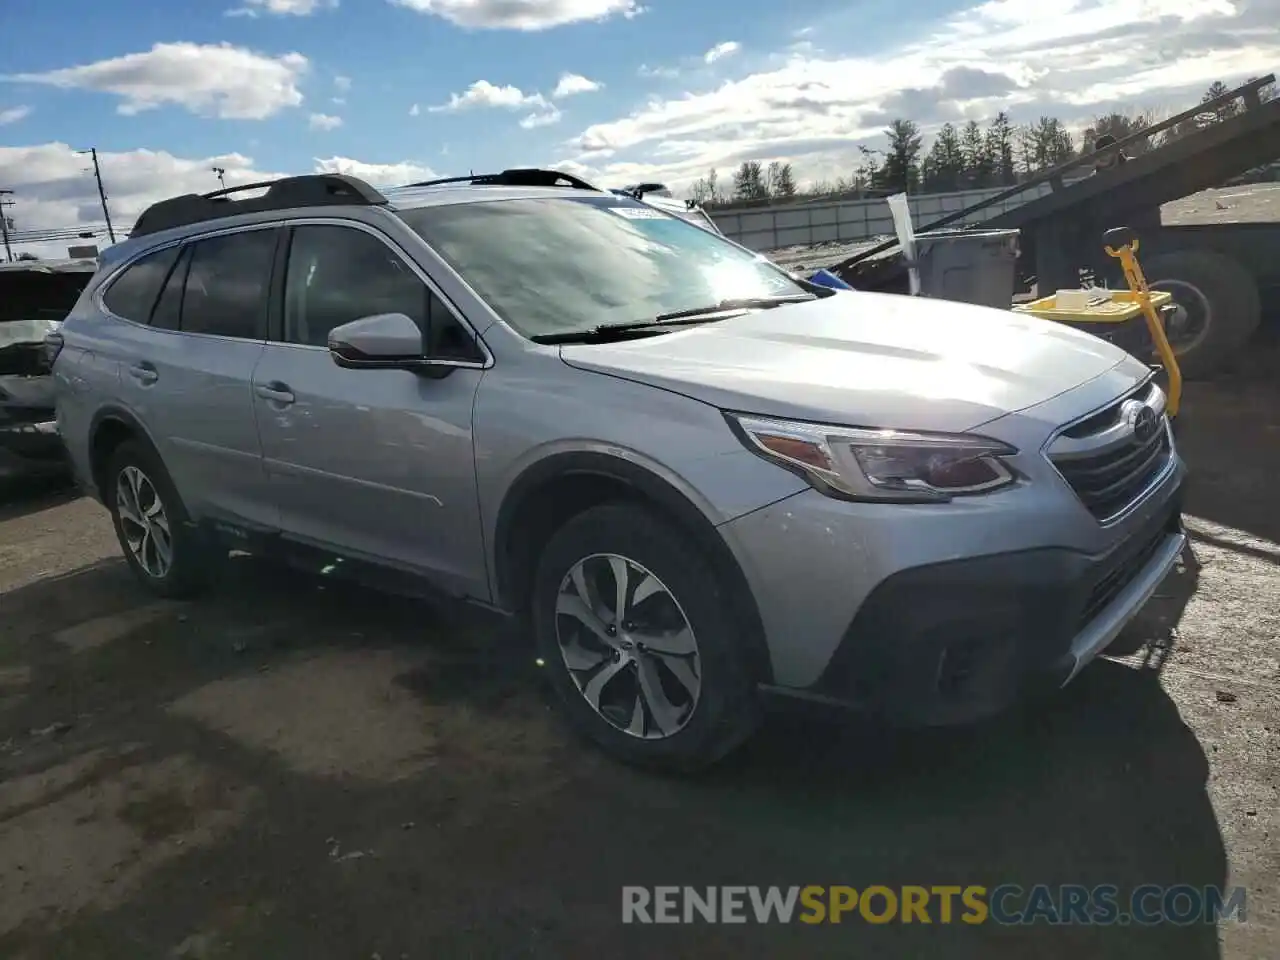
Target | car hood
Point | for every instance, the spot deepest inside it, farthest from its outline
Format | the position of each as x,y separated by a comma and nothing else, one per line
865,359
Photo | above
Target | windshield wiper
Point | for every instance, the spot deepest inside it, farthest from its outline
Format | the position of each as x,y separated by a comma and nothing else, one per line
608,332
604,333
739,303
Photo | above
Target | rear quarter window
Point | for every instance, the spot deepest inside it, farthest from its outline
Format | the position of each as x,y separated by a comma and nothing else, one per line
133,292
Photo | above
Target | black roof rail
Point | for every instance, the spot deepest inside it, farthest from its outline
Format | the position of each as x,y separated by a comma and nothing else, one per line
311,190
517,177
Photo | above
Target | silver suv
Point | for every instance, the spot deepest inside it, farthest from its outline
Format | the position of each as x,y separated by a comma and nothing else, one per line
698,479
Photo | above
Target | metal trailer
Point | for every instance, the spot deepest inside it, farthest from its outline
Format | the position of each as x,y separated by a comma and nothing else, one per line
1220,275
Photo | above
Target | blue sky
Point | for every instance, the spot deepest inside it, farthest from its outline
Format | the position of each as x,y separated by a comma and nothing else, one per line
167,90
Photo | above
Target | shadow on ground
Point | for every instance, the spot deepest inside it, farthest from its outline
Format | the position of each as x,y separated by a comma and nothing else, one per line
1231,435
21,497
371,777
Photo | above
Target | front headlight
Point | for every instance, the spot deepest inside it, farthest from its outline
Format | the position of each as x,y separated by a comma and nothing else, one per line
894,465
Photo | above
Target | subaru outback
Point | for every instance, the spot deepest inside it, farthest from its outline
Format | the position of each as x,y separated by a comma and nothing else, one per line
697,479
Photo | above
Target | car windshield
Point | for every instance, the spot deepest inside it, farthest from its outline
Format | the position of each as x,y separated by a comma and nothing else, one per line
553,266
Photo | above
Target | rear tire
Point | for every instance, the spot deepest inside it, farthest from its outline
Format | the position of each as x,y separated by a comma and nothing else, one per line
1218,296
666,684
161,546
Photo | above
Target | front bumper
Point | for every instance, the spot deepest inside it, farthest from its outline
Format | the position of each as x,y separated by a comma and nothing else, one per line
957,641
950,618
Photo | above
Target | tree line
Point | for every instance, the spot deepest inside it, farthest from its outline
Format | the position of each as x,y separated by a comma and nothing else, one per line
971,156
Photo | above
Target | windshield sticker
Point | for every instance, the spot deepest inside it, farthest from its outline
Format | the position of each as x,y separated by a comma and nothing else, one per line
639,213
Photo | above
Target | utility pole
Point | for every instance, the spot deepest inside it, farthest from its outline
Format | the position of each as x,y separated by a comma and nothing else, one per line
4,223
221,174
102,193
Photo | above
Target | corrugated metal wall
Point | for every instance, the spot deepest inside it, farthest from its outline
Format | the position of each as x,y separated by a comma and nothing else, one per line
802,224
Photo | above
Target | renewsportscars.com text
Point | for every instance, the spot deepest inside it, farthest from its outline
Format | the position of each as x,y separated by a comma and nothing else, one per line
1066,904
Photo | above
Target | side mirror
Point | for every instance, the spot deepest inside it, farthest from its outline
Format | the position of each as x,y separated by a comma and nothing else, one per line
380,341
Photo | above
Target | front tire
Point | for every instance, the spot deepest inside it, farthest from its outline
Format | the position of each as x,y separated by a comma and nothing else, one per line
640,642
159,543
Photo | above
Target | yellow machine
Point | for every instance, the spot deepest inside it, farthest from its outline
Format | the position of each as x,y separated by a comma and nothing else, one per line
1120,306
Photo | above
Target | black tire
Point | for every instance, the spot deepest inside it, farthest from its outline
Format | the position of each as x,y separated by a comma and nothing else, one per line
187,574
725,712
1234,308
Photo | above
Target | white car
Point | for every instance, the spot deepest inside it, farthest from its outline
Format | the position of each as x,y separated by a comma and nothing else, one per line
35,295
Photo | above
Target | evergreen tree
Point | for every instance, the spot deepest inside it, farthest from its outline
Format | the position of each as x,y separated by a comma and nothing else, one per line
1000,150
977,164
901,172
748,182
944,167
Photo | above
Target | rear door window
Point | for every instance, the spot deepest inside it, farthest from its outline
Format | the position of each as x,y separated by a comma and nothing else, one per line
132,294
227,284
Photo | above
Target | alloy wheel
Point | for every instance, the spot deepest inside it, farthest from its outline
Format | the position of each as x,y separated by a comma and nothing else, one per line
144,522
628,646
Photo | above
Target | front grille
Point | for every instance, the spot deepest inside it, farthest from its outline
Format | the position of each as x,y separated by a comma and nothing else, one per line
1110,480
1096,423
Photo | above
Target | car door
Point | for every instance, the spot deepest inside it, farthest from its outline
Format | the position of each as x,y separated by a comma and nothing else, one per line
373,463
187,373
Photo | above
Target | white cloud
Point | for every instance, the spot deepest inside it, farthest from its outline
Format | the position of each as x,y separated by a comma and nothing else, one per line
414,110
342,83
541,118
378,174
14,114
721,50
666,73
338,101
571,84
482,93
1072,59
691,64
281,8
219,80
54,187
323,121
522,14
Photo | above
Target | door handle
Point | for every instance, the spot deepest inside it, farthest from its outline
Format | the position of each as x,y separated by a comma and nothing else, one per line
145,373
275,391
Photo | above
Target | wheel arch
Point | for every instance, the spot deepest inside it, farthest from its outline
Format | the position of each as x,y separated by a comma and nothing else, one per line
551,491
110,427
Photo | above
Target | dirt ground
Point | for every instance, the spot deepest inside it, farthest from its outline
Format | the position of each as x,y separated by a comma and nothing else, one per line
297,768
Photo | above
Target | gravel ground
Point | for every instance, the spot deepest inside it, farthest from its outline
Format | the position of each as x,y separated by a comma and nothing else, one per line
296,768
